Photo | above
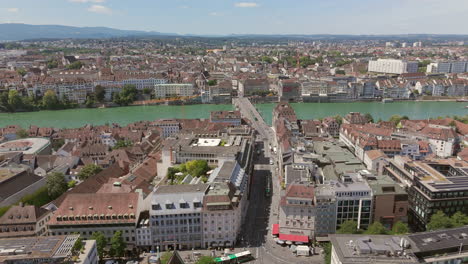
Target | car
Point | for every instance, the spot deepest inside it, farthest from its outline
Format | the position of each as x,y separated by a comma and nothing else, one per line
271,162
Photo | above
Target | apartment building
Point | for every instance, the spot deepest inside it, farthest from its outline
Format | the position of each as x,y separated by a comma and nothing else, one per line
393,66
448,67
173,89
176,216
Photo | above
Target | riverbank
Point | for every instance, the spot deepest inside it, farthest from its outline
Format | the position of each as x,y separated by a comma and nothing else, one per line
78,117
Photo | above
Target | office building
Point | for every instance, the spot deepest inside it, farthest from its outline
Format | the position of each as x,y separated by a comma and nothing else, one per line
176,216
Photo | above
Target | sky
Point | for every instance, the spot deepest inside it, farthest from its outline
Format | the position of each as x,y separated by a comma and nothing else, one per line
223,17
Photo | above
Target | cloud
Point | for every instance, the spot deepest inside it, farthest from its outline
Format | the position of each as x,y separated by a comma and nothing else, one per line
246,4
100,9
87,1
215,14
184,7
13,10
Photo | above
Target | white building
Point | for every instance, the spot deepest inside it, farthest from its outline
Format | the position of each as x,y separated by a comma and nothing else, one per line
173,89
176,216
393,66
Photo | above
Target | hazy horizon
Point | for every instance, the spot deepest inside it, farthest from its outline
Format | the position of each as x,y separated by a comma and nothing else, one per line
226,17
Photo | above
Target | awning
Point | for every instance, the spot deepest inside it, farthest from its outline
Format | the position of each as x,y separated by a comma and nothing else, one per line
275,230
294,238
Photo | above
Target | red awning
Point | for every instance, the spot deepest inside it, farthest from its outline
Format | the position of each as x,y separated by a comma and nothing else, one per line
294,238
275,229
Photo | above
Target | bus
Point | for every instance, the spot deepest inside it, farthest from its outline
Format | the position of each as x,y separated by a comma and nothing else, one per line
268,186
241,257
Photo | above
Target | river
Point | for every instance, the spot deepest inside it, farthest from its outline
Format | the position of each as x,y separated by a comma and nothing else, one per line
123,115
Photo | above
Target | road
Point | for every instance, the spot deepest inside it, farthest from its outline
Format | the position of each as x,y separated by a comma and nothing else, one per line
263,211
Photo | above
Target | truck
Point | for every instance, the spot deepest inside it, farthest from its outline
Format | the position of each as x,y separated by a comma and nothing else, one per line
302,251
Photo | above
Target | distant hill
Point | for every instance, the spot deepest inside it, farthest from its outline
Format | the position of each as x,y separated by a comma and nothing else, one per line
24,31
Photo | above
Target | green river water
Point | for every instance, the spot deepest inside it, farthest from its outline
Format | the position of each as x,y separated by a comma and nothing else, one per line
124,115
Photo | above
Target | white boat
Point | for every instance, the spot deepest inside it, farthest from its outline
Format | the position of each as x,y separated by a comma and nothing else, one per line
387,100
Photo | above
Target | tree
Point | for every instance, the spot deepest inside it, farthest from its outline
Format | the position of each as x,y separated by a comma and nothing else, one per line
396,119
348,227
90,102
75,65
197,168
459,219
376,228
206,260
77,247
101,242
147,90
400,228
56,184
57,143
369,117
338,119
439,221
50,100
212,82
14,100
99,93
342,72
126,96
117,248
21,71
52,64
22,133
89,171
122,144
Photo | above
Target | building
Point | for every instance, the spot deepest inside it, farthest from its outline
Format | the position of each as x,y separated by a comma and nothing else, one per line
392,66
23,221
297,213
448,67
43,249
173,90
441,246
169,126
209,147
89,253
222,215
354,200
432,185
331,126
383,249
176,216
143,231
17,181
86,213
355,118
33,146
231,117
289,90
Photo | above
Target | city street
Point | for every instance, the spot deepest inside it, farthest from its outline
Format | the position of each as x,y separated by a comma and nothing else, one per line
263,211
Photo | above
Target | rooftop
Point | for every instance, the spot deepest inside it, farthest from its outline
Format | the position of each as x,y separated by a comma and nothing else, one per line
369,249
42,247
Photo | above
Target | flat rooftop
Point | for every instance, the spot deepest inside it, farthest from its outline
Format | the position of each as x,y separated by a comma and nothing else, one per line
36,247
208,142
369,249
26,145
